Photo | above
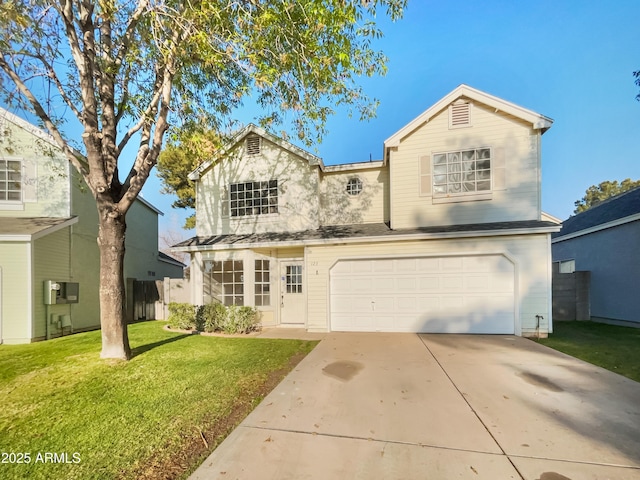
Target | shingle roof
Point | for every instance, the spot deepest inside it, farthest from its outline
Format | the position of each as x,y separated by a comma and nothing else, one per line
29,225
337,232
614,208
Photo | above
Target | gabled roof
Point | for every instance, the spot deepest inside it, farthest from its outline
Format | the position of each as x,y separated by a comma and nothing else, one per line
27,229
242,134
25,125
539,122
623,208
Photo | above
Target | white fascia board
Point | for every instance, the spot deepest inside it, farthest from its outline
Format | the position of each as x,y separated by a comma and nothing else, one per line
29,127
373,239
538,122
39,234
149,205
347,167
597,228
252,128
177,263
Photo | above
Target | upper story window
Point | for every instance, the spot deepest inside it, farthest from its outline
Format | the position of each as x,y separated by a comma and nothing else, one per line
354,186
462,172
254,144
253,198
10,181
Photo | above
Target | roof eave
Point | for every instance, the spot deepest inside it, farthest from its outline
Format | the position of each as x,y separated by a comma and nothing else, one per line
252,128
369,239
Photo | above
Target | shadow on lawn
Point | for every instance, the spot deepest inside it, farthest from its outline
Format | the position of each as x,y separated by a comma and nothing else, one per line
149,346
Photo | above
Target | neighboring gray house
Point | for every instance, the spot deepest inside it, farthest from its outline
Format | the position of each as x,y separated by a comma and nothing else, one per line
605,240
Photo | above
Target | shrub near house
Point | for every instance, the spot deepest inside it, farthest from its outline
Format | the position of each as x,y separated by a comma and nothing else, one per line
214,317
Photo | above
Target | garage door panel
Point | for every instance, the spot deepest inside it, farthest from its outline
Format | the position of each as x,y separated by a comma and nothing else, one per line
451,263
382,285
451,282
382,304
407,284
467,294
363,285
428,265
429,283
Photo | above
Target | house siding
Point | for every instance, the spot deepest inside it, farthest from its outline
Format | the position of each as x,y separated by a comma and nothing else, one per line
517,144
51,261
337,207
14,297
45,173
613,258
528,252
298,204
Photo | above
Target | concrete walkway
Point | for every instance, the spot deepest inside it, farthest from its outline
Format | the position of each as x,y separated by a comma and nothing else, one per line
404,406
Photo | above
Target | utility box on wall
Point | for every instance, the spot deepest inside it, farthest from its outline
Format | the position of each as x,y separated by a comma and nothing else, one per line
61,292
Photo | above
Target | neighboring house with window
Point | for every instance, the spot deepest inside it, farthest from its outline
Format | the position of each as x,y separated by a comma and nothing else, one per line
605,240
444,234
48,231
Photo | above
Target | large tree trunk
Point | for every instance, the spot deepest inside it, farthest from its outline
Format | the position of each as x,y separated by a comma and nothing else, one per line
111,237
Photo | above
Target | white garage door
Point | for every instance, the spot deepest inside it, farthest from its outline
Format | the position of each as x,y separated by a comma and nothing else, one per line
466,294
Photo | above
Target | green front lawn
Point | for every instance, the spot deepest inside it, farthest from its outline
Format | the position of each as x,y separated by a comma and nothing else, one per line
67,414
608,346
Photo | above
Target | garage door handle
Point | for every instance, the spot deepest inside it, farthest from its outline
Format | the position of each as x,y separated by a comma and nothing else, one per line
373,305
281,301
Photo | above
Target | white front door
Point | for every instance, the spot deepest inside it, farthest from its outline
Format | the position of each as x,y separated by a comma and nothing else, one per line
292,298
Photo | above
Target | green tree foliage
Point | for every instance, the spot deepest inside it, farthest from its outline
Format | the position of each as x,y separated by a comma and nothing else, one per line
637,75
598,193
181,157
126,71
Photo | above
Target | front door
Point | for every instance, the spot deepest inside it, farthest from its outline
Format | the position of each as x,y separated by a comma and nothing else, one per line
292,304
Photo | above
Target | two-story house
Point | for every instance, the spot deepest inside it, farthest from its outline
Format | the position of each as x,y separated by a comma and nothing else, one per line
444,234
49,259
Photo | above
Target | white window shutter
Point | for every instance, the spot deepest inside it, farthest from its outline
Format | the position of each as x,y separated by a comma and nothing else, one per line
498,164
425,175
224,199
29,181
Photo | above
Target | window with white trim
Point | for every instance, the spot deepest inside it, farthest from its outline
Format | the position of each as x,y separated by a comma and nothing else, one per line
262,283
10,181
567,266
462,172
294,278
354,186
224,281
253,198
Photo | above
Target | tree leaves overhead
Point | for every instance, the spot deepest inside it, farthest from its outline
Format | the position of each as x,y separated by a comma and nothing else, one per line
127,71
599,193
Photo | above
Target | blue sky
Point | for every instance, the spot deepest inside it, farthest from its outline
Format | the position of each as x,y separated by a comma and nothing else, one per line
568,60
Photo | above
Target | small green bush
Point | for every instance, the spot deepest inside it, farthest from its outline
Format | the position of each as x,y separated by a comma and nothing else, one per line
214,317
241,320
182,316
211,317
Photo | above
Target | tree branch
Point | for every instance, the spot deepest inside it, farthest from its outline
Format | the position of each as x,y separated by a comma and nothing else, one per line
42,114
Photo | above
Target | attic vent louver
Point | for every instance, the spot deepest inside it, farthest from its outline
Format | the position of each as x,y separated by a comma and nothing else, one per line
460,114
253,145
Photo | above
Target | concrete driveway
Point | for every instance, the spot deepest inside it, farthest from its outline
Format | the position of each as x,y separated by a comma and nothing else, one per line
406,406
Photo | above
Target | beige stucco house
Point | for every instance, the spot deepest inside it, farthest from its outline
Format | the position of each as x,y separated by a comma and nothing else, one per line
444,234
48,231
